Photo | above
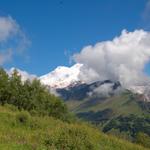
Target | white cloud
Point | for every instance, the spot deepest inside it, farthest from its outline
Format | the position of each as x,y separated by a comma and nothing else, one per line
8,28
105,90
5,56
12,39
102,90
122,59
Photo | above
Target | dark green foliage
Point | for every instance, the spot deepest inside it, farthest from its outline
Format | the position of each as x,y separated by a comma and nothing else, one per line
30,96
145,106
143,139
23,117
122,135
133,128
96,117
131,124
4,86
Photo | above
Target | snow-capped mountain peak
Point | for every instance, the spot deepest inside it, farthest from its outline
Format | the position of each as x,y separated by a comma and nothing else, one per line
62,76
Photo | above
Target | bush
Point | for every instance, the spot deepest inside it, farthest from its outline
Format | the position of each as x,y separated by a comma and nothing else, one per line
143,139
73,137
11,107
118,134
23,117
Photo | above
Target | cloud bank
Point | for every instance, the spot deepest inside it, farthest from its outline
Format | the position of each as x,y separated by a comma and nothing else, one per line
12,39
122,59
105,90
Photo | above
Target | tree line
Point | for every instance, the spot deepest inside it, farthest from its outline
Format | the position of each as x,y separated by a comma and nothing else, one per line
30,95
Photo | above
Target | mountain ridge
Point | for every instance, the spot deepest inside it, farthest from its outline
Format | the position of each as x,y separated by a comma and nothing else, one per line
66,77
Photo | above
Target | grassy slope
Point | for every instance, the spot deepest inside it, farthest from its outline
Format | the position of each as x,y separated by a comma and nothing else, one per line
44,133
121,105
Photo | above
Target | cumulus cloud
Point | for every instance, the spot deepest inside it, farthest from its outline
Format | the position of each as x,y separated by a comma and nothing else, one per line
121,59
8,27
12,39
103,90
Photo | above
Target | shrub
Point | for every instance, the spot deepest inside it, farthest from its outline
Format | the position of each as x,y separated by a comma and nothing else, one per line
23,117
143,139
73,137
11,107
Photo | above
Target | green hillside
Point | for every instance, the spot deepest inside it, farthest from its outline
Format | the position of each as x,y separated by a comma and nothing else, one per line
21,131
124,115
123,104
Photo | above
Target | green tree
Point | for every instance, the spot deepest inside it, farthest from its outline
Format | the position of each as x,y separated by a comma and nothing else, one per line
4,84
31,96
15,89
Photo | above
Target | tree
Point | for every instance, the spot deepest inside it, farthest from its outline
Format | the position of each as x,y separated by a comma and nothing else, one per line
4,84
30,96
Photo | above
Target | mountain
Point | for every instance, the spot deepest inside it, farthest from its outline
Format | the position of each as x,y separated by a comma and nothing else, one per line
95,96
104,103
66,77
109,107
104,95
66,81
81,91
62,76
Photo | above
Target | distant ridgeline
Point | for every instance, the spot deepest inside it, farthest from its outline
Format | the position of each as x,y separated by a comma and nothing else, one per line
117,110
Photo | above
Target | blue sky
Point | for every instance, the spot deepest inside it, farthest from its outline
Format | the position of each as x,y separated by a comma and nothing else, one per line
59,28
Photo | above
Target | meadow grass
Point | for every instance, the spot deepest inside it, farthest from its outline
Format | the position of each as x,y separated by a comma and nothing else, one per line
21,131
